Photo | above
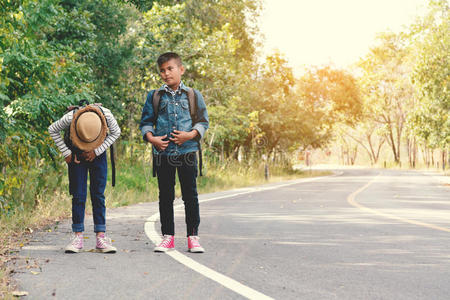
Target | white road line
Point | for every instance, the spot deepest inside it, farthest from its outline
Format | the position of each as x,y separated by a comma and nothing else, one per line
351,200
226,281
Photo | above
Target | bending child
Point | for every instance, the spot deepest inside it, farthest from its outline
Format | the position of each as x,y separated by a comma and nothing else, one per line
84,150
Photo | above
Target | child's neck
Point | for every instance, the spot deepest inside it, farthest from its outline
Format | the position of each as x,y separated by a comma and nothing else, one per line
174,87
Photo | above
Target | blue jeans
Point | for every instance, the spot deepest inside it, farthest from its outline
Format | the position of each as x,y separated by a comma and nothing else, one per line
186,166
78,173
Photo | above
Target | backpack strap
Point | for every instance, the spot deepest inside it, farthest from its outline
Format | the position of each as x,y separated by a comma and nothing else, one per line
155,103
200,158
111,152
192,97
67,139
156,97
113,165
154,164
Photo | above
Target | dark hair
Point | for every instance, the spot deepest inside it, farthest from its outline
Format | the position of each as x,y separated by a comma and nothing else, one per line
163,58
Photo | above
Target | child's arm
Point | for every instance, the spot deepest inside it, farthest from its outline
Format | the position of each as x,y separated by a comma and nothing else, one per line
202,117
55,132
114,132
147,122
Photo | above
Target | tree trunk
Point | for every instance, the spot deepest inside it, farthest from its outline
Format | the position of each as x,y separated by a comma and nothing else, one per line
412,152
408,148
426,158
443,159
379,150
432,157
392,142
354,154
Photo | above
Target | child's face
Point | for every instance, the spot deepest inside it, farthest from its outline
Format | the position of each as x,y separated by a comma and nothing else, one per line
171,73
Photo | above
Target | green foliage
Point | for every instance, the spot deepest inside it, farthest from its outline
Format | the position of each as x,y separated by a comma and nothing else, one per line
38,78
328,97
431,75
55,52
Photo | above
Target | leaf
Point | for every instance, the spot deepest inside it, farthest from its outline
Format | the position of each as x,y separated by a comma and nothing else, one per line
35,273
4,97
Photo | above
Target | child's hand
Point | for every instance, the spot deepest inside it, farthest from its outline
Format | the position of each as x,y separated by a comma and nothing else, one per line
158,142
68,159
180,137
89,156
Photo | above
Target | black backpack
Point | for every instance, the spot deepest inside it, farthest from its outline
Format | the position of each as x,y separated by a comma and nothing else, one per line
75,150
192,99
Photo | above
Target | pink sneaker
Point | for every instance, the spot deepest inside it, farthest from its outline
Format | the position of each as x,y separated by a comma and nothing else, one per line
75,245
194,245
167,243
104,244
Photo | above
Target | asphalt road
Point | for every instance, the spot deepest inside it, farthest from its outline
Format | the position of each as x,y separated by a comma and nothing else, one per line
362,234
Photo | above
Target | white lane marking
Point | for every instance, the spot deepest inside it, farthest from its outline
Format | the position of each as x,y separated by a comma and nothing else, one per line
41,248
203,270
226,281
351,200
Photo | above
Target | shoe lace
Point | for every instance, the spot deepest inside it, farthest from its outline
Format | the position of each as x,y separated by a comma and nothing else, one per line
76,240
104,241
166,241
194,241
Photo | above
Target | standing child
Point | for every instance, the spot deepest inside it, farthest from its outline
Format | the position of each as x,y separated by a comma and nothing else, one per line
175,131
85,151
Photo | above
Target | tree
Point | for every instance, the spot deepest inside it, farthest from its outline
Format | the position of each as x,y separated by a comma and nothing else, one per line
37,79
211,54
431,35
386,87
275,107
329,97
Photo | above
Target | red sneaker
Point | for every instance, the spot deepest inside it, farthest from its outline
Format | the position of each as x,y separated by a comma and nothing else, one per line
194,245
166,244
76,244
104,244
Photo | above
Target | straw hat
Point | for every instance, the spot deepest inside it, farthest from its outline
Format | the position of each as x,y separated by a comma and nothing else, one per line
88,128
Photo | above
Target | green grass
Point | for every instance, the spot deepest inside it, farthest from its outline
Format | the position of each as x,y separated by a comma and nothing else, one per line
134,184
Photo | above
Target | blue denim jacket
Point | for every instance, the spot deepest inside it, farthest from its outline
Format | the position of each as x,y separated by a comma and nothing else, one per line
174,115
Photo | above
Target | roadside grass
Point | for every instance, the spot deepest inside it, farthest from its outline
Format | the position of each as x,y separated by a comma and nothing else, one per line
134,184
15,232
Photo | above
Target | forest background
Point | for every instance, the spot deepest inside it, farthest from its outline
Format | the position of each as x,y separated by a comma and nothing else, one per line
390,109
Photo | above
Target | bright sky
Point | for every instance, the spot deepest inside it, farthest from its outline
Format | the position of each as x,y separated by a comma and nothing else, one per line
317,32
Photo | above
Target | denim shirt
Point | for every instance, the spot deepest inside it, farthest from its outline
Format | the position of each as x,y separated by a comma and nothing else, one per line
173,115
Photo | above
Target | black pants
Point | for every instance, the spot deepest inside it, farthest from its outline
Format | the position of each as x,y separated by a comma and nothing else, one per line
186,165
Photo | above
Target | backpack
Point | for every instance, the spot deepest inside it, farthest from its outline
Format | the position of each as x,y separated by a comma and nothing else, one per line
192,99
75,150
